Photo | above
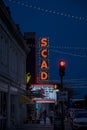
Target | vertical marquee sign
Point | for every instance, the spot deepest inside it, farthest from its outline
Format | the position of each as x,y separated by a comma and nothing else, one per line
44,60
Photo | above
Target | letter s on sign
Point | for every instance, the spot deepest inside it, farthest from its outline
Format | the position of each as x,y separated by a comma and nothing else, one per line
43,42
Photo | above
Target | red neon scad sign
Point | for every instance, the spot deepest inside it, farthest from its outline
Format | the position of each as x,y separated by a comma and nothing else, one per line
44,56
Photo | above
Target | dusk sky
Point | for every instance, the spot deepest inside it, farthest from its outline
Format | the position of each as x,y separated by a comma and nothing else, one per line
64,22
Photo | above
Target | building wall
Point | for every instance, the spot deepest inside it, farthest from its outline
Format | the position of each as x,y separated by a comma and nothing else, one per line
12,57
12,69
30,38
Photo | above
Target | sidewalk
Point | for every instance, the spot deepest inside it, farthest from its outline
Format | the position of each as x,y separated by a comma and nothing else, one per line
67,125
34,126
41,126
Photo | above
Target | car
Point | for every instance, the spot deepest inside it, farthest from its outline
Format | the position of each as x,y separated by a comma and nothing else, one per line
73,111
79,120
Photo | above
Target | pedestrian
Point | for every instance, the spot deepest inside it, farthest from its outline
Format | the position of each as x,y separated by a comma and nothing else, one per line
41,115
51,116
44,116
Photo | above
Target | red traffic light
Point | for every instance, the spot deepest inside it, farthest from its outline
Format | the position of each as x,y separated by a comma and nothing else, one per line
62,67
62,63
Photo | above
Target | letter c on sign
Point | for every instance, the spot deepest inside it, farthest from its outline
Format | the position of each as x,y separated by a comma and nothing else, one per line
44,53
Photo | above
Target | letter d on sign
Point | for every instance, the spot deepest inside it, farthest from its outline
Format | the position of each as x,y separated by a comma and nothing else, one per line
43,75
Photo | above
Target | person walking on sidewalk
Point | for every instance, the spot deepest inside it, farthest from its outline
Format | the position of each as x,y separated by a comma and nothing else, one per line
51,116
44,116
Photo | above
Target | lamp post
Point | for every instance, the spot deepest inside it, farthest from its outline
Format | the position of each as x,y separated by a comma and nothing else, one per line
62,73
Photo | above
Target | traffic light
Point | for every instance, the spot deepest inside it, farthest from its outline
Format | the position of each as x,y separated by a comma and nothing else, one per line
62,68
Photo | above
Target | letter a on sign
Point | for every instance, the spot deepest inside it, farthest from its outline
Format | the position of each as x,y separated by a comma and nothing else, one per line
44,64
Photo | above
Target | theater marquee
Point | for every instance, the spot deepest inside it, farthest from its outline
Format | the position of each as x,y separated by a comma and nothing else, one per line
44,66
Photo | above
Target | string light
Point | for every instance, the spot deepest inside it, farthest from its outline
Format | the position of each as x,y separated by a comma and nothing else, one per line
52,49
48,11
69,47
64,47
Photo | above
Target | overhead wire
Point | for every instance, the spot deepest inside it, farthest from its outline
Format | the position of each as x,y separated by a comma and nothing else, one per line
72,81
66,53
56,50
75,83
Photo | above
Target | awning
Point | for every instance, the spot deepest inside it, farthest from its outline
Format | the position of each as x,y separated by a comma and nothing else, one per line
25,99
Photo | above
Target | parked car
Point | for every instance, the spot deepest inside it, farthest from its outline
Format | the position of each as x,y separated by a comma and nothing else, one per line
73,111
79,120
